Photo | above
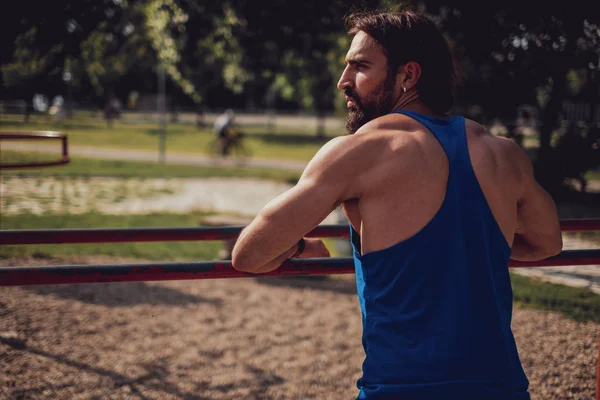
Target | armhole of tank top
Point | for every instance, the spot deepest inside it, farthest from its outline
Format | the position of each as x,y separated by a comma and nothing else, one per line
486,205
435,216
355,240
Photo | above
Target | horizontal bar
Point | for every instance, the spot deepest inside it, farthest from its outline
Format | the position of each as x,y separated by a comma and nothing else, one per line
57,236
566,257
580,225
38,135
46,275
32,135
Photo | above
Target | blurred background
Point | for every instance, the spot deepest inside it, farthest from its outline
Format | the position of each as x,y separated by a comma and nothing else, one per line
531,73
140,88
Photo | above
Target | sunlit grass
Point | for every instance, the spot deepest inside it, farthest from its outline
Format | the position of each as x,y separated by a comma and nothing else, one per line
159,251
576,303
133,169
294,143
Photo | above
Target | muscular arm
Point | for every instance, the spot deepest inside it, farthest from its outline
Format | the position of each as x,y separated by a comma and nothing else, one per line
272,236
538,234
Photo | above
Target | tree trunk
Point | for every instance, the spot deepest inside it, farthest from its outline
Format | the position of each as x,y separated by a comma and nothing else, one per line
200,123
320,123
545,167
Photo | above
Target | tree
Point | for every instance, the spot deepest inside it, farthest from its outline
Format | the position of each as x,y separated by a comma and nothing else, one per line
515,54
97,45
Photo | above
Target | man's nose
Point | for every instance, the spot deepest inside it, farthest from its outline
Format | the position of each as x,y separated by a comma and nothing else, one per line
345,80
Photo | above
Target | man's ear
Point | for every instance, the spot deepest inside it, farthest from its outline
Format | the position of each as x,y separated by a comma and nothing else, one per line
409,74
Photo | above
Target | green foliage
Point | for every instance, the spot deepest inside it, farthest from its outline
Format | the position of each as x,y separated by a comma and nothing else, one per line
266,53
104,63
578,304
165,25
28,62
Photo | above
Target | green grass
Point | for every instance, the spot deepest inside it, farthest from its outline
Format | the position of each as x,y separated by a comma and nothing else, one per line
592,175
159,251
288,143
130,169
575,303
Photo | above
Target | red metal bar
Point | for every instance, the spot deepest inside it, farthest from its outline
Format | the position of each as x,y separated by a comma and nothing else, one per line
567,257
38,135
56,236
16,276
580,225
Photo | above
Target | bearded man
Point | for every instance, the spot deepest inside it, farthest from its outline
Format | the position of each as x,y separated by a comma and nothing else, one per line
437,208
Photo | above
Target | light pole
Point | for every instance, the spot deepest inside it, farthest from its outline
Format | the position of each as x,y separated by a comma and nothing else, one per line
161,105
67,78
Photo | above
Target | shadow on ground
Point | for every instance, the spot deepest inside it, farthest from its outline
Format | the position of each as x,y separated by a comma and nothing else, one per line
170,131
156,375
122,294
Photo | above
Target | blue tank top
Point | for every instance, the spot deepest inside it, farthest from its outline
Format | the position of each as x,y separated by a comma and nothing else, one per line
437,307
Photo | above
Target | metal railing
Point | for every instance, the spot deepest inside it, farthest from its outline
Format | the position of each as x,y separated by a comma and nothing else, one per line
14,276
63,274
36,275
57,236
37,135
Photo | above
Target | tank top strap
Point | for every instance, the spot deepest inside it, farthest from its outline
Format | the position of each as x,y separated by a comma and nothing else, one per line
449,132
452,135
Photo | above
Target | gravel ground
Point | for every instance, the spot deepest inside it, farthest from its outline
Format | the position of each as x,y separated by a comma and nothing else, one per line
256,338
71,195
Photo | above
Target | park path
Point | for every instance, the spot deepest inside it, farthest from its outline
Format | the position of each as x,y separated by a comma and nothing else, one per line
233,195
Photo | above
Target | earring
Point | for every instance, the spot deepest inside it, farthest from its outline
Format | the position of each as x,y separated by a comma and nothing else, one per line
404,89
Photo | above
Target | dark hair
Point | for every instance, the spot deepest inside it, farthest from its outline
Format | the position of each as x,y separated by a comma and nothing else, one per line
405,36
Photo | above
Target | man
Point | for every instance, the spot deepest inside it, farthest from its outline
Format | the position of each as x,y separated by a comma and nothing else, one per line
222,127
437,207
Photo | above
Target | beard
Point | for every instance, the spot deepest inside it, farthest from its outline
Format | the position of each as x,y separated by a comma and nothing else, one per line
377,103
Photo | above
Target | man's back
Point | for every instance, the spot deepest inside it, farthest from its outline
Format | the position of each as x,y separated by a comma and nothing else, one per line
436,297
407,184
403,178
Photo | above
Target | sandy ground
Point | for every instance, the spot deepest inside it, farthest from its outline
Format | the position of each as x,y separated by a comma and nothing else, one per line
41,195
256,338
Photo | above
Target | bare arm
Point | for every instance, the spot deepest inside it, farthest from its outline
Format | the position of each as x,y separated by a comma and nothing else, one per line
272,236
538,234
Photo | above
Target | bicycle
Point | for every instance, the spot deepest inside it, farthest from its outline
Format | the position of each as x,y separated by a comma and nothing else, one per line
234,148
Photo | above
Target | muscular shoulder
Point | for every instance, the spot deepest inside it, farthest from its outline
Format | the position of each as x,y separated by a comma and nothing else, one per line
372,140
502,155
354,159
503,147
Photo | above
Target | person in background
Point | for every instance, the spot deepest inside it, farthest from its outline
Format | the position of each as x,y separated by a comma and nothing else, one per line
223,130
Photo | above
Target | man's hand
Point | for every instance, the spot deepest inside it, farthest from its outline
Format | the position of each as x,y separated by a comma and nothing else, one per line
313,248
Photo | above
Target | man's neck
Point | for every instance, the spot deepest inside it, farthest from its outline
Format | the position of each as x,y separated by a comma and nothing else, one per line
412,102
